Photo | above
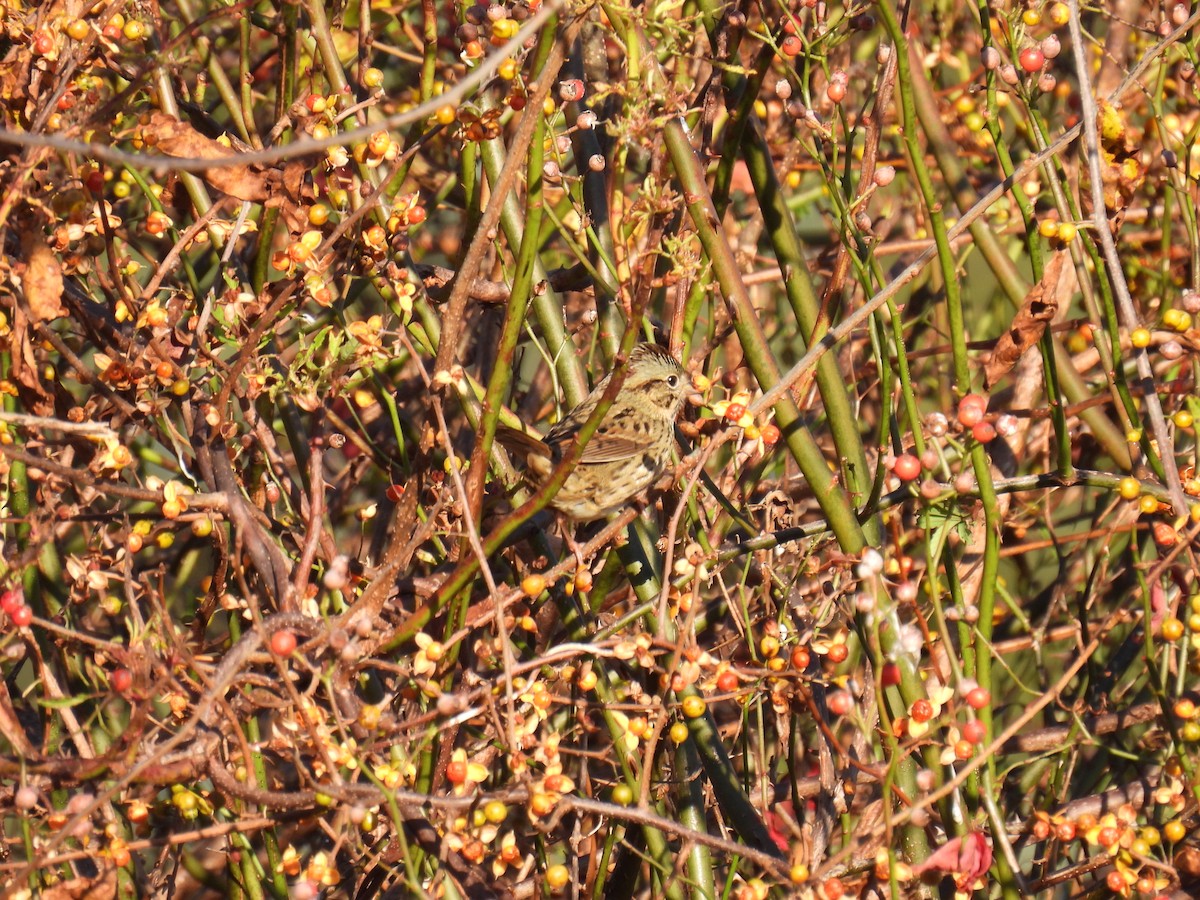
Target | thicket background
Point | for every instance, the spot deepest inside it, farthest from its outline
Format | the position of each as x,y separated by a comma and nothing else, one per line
929,622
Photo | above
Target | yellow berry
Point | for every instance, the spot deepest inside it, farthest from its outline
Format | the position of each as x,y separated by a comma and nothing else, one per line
557,877
1048,228
1140,337
1170,317
622,794
504,29
446,114
1031,17
1174,831
1182,419
1060,14
1067,232
495,811
318,214
1129,488
1148,503
533,585
693,706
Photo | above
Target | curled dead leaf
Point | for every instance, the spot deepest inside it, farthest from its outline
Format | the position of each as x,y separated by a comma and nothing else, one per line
43,279
253,183
1038,311
102,887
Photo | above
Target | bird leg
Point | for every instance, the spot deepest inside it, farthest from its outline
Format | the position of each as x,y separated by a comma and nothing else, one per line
567,529
576,548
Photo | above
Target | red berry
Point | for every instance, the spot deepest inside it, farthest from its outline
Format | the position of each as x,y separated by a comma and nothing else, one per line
416,215
979,697
571,90
1031,59
121,680
890,674
837,653
283,643
840,703
984,432
42,43
22,616
456,771
727,682
908,467
734,411
769,434
801,658
10,600
922,710
971,410
974,731
791,46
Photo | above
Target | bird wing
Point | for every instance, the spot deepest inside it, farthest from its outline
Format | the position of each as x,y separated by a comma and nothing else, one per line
608,444
516,441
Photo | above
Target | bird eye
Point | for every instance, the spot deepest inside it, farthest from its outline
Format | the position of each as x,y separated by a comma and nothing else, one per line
672,380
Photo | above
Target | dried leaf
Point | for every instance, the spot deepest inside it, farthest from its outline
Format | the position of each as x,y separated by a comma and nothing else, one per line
10,724
1040,306
1121,170
968,858
102,888
43,280
252,183
23,365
